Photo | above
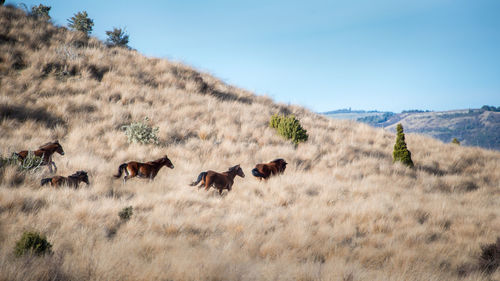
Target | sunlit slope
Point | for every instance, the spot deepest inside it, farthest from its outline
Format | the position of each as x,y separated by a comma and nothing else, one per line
341,211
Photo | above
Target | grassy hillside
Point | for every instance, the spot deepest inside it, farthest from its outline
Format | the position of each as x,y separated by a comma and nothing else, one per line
341,211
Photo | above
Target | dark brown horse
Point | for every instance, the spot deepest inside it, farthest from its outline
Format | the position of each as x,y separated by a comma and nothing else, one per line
45,151
143,170
264,171
72,181
219,181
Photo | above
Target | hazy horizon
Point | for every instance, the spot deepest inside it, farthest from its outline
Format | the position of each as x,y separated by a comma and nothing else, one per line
392,56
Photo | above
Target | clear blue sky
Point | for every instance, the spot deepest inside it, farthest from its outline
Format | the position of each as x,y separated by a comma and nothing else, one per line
386,55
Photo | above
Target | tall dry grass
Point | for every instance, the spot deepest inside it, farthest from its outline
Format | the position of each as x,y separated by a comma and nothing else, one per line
341,211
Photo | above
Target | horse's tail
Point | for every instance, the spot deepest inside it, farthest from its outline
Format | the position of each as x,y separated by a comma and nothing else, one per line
120,170
201,176
45,181
256,173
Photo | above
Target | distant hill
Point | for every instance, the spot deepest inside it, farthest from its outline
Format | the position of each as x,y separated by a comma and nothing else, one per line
472,127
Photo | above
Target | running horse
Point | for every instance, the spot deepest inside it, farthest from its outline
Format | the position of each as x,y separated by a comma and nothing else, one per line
45,152
264,171
143,170
72,181
219,181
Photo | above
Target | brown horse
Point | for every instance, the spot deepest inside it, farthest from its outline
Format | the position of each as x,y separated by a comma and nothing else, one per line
72,181
219,181
45,152
143,170
264,171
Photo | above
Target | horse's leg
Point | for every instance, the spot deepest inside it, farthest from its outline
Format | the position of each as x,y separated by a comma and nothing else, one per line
207,182
126,177
55,167
49,164
220,192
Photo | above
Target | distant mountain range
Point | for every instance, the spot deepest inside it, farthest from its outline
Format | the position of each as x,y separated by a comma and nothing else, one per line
472,127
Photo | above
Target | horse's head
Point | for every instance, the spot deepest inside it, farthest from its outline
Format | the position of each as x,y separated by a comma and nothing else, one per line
59,148
237,169
82,176
281,164
167,162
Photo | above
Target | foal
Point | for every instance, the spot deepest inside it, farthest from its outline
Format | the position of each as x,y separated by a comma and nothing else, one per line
264,171
219,181
72,181
143,170
45,151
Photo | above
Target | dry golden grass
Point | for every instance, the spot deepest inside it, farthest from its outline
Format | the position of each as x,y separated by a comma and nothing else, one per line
341,211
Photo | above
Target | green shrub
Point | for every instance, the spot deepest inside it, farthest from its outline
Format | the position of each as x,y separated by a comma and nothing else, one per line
289,127
401,152
30,163
12,160
126,213
455,141
81,22
141,133
40,12
32,243
117,38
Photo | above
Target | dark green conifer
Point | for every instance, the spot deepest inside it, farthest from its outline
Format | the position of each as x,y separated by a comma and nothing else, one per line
117,38
40,12
81,22
401,152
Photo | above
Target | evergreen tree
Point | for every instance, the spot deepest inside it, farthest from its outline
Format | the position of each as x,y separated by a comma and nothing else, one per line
117,38
401,152
40,12
81,22
289,127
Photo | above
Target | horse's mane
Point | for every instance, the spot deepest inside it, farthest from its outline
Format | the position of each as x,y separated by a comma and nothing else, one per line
47,144
233,168
78,174
278,160
159,160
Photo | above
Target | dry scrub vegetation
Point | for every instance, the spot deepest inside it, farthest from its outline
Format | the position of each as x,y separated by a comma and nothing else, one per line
341,211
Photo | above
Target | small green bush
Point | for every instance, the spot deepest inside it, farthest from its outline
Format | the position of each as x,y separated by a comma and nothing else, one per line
455,141
117,38
30,163
289,127
12,160
126,213
32,243
81,22
401,152
40,12
141,133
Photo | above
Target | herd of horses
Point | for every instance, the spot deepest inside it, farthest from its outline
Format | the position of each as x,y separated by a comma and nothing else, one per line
149,170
